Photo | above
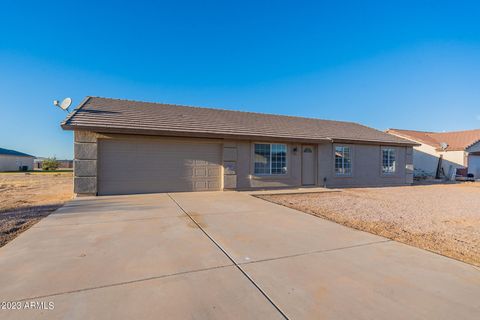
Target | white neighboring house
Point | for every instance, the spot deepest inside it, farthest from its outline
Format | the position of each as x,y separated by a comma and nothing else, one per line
456,149
11,160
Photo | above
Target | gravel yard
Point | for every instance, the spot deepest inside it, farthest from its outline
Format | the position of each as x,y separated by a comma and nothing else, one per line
25,198
441,218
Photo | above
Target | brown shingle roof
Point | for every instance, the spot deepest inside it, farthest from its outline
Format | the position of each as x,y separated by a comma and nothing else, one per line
117,116
456,140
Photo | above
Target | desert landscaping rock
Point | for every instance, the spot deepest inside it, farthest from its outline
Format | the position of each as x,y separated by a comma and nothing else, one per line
441,218
26,198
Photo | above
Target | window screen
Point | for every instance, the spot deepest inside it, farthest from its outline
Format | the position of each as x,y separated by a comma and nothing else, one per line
343,162
270,158
388,160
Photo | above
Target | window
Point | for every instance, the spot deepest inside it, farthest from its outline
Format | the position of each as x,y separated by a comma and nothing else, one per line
343,160
270,158
388,160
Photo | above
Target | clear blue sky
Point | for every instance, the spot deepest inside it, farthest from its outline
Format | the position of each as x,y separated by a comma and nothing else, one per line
403,64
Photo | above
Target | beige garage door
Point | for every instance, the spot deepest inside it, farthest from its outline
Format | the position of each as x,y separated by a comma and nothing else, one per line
157,165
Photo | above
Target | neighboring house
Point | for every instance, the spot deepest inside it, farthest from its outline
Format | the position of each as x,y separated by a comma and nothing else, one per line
456,149
64,164
124,147
11,160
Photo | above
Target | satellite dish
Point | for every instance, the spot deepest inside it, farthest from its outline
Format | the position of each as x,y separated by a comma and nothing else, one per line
64,105
444,145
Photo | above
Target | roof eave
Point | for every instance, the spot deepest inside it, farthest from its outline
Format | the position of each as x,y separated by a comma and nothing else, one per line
450,149
84,101
191,134
472,144
376,142
17,155
115,130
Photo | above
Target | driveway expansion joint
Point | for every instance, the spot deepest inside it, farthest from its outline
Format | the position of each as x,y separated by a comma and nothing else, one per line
231,259
317,252
194,214
103,222
124,283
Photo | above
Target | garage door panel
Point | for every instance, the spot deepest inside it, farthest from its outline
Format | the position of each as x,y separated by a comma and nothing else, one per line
214,185
214,172
200,172
201,162
157,165
201,185
160,170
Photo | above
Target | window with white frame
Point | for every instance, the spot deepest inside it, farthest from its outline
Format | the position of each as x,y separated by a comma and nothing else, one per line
343,161
388,161
270,158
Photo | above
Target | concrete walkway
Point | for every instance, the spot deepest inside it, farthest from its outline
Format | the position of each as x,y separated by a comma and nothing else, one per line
222,256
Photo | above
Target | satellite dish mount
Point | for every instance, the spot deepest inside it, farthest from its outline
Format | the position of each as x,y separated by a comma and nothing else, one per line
64,105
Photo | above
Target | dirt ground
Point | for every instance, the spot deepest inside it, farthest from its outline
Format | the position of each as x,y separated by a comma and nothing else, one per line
441,218
26,198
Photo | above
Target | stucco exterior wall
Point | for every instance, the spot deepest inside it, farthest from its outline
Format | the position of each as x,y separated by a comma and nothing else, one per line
454,157
453,160
425,160
238,166
366,167
246,179
12,163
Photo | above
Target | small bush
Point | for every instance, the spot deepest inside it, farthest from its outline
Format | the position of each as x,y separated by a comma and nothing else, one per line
50,164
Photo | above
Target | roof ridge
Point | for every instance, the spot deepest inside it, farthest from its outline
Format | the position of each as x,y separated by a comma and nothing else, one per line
411,130
436,132
459,131
223,109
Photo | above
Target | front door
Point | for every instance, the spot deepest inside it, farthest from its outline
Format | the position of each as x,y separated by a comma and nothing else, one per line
308,165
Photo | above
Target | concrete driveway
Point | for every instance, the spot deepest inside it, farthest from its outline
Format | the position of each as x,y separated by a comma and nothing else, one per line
221,256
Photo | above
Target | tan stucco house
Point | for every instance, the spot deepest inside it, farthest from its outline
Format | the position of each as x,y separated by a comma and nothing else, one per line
443,151
11,160
124,147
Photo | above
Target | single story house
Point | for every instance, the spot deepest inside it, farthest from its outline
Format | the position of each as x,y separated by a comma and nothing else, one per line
126,147
11,160
441,153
